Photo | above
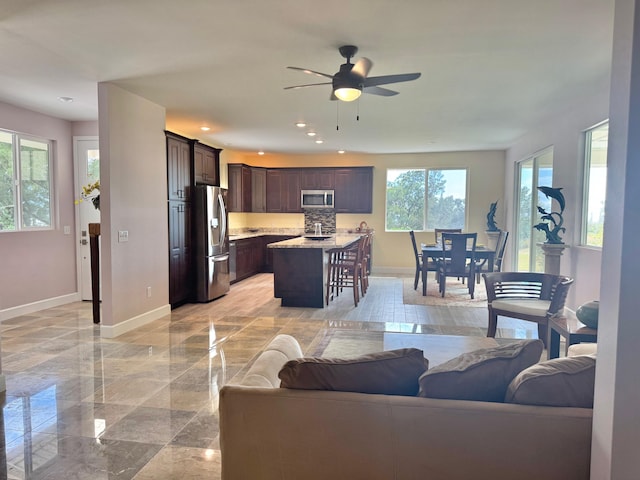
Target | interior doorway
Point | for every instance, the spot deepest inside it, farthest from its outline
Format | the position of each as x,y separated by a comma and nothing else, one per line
86,157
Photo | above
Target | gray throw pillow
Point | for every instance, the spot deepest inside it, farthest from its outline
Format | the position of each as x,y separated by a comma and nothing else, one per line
561,382
481,375
393,372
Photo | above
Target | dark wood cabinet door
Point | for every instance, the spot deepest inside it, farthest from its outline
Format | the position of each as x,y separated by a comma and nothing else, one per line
178,169
206,165
239,195
275,186
317,178
258,190
354,190
292,191
180,268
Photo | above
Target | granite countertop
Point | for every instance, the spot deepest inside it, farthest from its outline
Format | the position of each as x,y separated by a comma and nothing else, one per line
261,233
339,240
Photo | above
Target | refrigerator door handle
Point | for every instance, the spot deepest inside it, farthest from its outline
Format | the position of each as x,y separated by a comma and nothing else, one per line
223,218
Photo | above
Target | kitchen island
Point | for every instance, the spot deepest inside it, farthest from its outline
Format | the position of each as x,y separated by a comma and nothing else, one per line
300,268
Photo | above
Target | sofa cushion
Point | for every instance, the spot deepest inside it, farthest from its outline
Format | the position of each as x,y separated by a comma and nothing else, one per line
561,382
393,372
481,375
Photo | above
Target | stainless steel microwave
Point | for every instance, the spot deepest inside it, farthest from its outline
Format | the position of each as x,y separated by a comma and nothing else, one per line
316,198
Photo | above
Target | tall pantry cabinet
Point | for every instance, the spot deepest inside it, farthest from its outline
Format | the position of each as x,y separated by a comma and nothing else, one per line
188,163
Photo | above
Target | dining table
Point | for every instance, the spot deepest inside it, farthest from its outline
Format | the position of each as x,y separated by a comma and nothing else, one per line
435,252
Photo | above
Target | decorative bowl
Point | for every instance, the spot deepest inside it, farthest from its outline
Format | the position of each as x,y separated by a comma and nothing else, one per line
588,313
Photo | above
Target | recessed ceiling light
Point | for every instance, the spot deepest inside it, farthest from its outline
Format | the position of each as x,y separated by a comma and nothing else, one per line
340,151
260,152
66,99
301,124
311,134
204,128
319,141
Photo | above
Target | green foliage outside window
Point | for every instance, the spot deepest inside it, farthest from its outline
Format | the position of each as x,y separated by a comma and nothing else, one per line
419,199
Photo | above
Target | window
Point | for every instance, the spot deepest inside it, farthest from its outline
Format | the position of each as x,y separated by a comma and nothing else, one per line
531,173
425,199
25,182
595,184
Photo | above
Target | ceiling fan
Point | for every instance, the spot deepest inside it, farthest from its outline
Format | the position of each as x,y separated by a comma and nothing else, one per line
351,80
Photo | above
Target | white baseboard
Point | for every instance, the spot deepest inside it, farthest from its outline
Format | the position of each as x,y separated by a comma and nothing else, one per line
28,308
113,331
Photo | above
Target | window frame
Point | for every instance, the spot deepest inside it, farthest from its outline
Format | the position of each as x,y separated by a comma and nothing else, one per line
426,171
586,176
16,141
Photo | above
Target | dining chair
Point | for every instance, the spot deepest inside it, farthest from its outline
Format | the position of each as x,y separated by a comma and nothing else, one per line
528,296
482,267
439,231
431,266
459,251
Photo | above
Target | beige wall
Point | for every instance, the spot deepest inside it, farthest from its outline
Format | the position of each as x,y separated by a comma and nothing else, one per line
392,250
133,173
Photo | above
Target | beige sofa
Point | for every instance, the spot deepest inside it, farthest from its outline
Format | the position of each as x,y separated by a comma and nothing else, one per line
267,432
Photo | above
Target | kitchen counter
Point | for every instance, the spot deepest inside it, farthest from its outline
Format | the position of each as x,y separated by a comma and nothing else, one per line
334,241
300,268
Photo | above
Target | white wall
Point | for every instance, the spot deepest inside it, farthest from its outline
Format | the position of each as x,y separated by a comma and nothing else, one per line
39,268
564,133
133,173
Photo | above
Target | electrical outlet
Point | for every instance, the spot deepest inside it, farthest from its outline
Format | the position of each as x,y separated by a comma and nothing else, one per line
123,236
148,292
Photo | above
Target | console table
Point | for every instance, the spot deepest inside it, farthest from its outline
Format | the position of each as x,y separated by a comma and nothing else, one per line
571,329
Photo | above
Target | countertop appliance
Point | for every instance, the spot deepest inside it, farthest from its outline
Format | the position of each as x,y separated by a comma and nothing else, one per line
316,198
211,242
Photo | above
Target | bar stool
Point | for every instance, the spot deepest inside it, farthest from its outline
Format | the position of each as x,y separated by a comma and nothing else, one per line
345,270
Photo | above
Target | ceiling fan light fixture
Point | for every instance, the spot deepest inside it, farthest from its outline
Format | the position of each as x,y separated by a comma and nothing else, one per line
347,94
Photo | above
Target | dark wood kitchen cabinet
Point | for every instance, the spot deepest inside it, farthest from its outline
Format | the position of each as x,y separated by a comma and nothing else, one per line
179,183
178,167
239,197
317,178
249,257
283,190
206,164
180,265
354,190
258,189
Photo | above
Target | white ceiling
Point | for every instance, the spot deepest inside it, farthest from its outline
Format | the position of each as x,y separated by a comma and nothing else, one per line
491,69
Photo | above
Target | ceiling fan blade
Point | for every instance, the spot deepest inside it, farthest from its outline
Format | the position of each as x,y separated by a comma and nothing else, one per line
385,92
311,72
307,85
362,67
383,80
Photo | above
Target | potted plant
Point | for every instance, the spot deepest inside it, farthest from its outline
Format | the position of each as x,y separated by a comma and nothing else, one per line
493,232
551,222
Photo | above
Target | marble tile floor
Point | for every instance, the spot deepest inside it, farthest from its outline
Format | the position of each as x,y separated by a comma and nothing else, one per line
144,405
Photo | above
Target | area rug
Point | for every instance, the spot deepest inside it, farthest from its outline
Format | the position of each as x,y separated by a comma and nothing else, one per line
456,294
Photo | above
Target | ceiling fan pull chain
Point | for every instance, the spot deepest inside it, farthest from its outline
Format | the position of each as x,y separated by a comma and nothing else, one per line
337,116
358,112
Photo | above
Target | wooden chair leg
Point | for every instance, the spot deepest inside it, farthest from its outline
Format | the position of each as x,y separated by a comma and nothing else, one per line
542,333
493,324
472,285
415,281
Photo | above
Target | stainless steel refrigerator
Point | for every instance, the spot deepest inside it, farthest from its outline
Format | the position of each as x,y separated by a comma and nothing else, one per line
211,242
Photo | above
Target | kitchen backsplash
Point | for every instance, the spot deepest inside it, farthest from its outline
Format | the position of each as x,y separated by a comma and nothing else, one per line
325,216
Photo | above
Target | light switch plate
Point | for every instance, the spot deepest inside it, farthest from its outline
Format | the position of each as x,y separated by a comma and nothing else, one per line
123,236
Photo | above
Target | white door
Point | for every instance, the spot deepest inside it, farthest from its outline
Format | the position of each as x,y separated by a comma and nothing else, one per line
87,165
